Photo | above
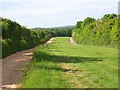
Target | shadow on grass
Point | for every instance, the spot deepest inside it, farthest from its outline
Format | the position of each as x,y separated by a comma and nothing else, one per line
66,59
38,57
73,59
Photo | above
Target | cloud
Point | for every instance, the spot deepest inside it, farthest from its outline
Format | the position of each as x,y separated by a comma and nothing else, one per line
50,12
32,12
58,1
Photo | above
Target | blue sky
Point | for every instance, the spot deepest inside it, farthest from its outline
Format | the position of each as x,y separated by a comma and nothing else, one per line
52,13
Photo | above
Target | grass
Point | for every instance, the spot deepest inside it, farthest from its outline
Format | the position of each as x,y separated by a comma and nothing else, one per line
63,65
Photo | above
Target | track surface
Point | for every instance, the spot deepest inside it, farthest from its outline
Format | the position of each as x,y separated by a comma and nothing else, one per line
14,65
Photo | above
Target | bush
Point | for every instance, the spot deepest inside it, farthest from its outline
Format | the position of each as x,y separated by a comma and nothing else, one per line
5,49
22,45
17,38
104,31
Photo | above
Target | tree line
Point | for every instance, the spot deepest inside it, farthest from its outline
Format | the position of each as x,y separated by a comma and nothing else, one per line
58,31
16,37
103,31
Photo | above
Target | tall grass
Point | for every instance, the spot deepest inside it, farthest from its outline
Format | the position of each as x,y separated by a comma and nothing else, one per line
63,65
42,73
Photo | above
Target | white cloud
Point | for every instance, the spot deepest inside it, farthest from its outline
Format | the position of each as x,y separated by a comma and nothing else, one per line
32,11
58,1
43,12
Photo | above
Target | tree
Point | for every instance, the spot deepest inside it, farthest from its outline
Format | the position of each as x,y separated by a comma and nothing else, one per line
79,24
87,21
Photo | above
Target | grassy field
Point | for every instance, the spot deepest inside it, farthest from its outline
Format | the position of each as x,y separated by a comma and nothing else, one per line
64,65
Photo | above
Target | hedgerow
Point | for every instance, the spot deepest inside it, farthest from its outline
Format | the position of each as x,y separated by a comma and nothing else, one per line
102,31
16,37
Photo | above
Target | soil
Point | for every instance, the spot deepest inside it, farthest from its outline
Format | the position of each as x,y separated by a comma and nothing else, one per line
71,41
14,65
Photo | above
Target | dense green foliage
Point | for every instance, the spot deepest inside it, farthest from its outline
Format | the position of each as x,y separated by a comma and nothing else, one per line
102,31
16,37
65,65
58,31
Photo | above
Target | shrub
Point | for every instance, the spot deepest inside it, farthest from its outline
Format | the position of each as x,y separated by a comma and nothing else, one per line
22,45
5,49
104,31
17,38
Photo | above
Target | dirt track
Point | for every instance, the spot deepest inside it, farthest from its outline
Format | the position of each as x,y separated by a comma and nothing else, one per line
14,65
71,41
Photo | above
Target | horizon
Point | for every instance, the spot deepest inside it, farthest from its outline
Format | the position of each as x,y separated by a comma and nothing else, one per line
55,13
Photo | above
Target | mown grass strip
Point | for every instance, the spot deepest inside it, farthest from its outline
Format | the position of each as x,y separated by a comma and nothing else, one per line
62,65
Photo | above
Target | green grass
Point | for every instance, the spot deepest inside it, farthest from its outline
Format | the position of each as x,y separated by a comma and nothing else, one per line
63,65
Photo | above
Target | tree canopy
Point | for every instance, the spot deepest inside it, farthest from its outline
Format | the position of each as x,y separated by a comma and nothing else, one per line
102,31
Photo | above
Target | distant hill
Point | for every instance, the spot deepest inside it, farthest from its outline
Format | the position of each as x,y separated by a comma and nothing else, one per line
60,27
63,27
58,31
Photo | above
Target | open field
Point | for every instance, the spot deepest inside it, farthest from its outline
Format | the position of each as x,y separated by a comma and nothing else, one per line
64,65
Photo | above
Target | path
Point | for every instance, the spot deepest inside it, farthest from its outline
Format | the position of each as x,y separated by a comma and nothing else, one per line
76,66
71,41
49,41
14,65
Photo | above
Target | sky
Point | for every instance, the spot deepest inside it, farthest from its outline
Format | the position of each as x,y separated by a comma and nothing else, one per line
53,13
